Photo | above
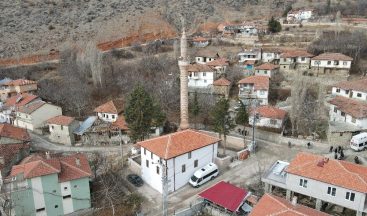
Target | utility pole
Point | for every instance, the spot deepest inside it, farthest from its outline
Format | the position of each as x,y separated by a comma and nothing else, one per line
121,150
253,145
164,189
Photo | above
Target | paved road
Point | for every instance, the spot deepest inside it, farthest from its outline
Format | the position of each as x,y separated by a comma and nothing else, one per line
41,143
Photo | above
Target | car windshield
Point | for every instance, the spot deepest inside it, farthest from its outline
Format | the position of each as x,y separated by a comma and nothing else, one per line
194,178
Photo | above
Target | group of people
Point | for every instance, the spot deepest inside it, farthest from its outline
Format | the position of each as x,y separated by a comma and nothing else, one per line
338,152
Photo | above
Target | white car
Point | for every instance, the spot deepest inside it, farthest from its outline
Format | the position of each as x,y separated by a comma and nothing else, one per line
208,172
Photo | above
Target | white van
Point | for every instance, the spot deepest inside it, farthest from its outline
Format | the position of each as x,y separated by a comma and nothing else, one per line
208,172
359,142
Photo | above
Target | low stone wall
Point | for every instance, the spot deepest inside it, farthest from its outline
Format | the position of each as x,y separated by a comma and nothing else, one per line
134,166
223,163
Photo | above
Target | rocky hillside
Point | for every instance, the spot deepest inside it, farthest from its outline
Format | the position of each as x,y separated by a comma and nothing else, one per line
29,26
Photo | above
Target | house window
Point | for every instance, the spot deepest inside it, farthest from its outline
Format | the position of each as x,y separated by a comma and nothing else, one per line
104,115
40,209
196,74
196,162
66,197
65,188
52,127
268,54
204,81
189,155
303,59
204,73
346,91
328,62
151,155
338,90
353,120
359,95
113,116
342,113
303,183
262,92
145,151
157,170
335,110
273,121
62,127
146,163
340,134
75,186
331,191
56,206
350,196
183,168
345,63
265,72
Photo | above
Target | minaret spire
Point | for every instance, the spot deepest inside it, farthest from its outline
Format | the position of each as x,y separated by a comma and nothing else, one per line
183,64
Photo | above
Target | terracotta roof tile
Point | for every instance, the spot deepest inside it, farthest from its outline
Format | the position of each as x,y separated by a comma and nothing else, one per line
353,107
332,56
207,52
200,39
267,66
20,82
199,68
249,62
296,53
31,107
259,82
61,120
335,172
219,62
271,112
113,106
222,82
178,143
20,100
9,131
120,123
270,205
357,85
9,151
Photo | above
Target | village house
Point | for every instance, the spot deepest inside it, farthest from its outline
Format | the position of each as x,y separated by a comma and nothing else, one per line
203,56
180,154
222,86
249,66
295,59
220,65
14,87
331,64
271,55
253,54
254,89
268,116
14,146
266,69
243,29
300,15
62,128
7,113
33,116
48,185
270,205
200,76
111,110
321,180
200,42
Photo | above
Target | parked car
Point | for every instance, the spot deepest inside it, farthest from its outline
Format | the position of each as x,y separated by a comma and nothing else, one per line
359,142
208,172
135,180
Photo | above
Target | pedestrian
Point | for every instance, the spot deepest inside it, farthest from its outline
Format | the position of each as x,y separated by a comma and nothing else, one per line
339,149
335,155
331,149
308,145
341,154
239,130
336,150
289,144
242,132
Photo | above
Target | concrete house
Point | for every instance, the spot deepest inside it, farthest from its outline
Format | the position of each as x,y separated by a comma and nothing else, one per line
295,59
271,55
323,180
33,116
270,205
14,87
254,89
252,54
200,42
201,76
62,128
111,110
14,146
203,56
222,86
7,113
331,64
50,186
220,65
180,154
301,15
266,69
268,116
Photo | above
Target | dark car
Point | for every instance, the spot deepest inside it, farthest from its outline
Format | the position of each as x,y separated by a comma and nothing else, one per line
135,180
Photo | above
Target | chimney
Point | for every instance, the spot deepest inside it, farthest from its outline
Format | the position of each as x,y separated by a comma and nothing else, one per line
326,160
321,163
77,161
294,201
48,155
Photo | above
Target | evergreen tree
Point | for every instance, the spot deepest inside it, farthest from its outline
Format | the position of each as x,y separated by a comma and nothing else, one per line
274,26
195,107
222,121
142,113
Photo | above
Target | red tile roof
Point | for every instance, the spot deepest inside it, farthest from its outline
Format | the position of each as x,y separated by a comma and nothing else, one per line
200,39
61,120
225,195
249,62
355,108
332,56
296,53
335,172
222,82
270,205
31,107
219,62
20,100
120,123
357,85
271,112
68,167
113,106
9,131
199,68
259,82
20,82
178,143
9,151
267,66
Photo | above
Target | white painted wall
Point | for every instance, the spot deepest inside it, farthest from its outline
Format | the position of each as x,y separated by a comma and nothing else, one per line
203,59
330,64
67,203
108,117
266,122
269,56
337,117
37,191
244,56
359,95
319,189
201,79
